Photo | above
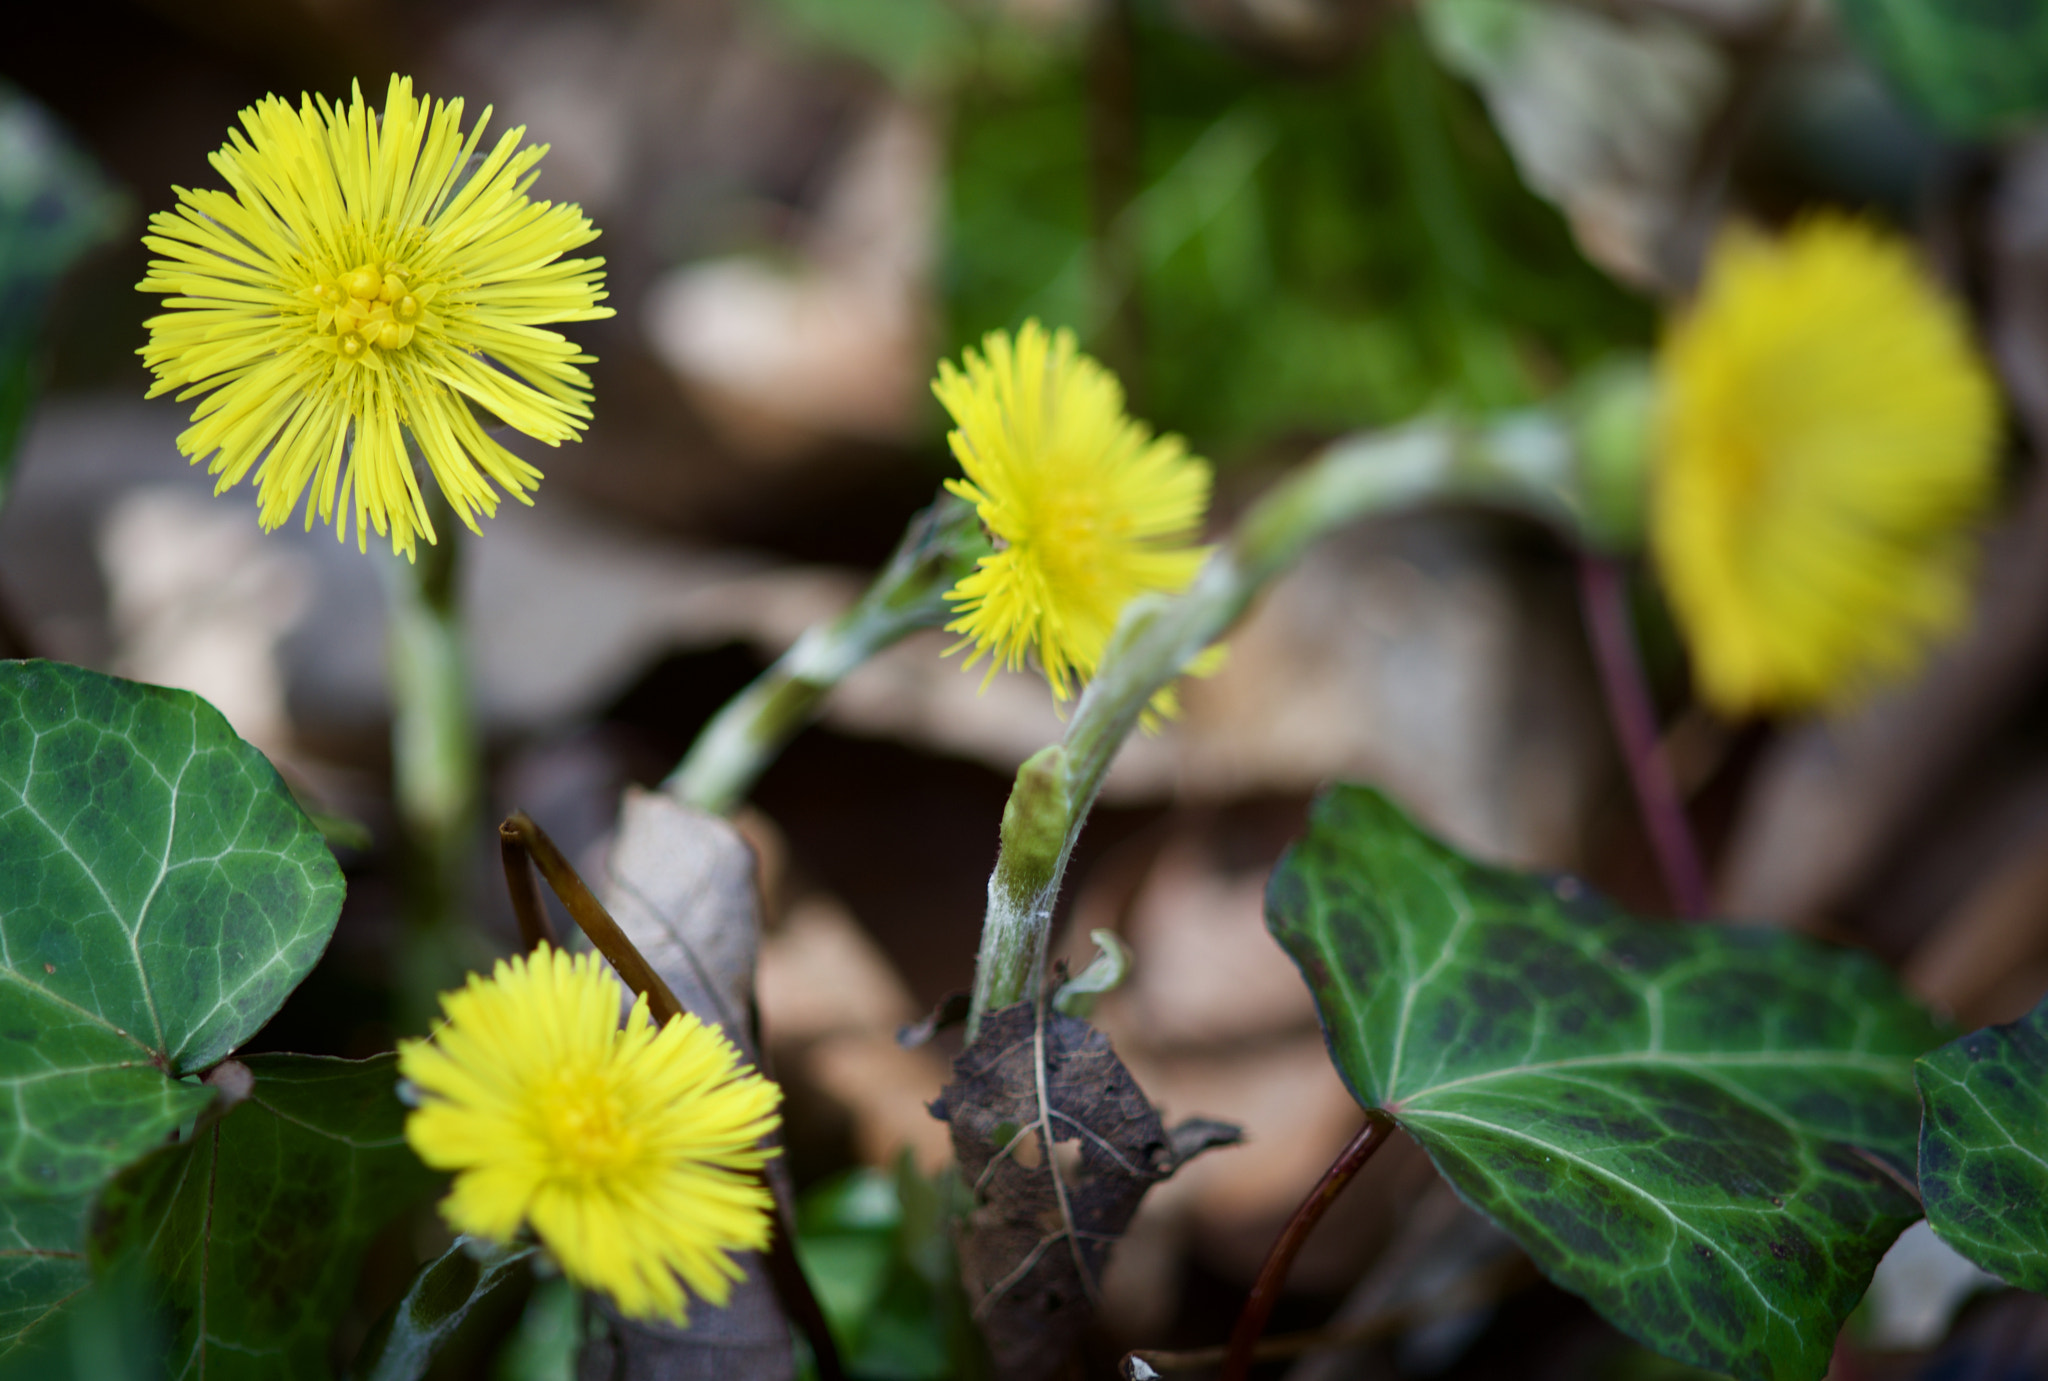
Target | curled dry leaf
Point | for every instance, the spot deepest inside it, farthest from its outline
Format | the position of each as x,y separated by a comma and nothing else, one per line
1047,1209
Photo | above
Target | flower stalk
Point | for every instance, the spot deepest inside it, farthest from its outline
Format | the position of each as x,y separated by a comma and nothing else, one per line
1526,462
940,546
435,761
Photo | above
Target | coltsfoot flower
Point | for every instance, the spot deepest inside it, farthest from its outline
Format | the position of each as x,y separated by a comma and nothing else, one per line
368,276
1087,508
1828,436
633,1153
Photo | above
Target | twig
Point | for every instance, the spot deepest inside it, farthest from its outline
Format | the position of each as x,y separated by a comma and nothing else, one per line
589,914
522,884
1265,1291
1635,724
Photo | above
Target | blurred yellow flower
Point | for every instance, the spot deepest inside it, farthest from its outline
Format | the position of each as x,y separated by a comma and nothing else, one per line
1087,508
634,1153
1829,434
370,276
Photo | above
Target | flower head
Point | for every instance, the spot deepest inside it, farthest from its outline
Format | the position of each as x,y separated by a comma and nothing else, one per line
633,1153
368,276
1088,509
1828,435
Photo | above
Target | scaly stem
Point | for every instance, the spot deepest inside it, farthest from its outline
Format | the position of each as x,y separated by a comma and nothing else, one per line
435,763
1272,1279
940,546
1524,462
1634,716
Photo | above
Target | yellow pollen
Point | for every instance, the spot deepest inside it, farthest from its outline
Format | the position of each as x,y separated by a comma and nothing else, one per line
369,307
363,282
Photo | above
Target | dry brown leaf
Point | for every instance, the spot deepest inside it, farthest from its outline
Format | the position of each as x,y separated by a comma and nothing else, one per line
1047,1207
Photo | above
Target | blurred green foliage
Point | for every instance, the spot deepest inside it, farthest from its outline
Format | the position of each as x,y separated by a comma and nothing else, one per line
878,1248
1311,253
54,206
1979,67
111,1331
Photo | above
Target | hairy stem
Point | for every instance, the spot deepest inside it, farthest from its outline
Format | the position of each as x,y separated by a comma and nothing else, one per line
941,545
1525,462
1272,1279
435,763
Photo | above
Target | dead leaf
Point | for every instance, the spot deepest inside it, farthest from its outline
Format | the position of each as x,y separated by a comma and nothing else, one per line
1047,1208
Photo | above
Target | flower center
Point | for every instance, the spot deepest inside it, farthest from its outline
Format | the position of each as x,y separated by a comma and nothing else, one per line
585,1128
369,308
1071,537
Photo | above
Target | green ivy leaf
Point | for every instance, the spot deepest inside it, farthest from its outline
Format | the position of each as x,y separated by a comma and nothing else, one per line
42,1267
1984,1147
162,895
255,1227
1976,66
1705,1131
441,1299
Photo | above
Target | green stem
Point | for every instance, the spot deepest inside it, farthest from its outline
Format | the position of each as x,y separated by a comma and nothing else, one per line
1526,461
435,762
941,545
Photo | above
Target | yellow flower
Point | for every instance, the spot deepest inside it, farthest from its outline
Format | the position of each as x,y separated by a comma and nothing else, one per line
368,277
635,1154
1828,435
1087,508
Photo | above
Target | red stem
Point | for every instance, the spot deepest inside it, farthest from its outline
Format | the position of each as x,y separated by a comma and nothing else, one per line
1635,724
1265,1291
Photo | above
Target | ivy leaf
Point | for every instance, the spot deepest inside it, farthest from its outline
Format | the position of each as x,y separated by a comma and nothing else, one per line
441,1299
1983,1173
1705,1131
255,1227
162,895
42,1268
1977,66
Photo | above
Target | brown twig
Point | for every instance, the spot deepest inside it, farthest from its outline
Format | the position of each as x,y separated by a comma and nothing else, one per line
522,842
1265,1291
1635,724
522,884
589,914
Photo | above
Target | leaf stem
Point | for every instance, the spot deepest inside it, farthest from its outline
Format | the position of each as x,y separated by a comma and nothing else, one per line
1603,598
1272,1278
941,544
